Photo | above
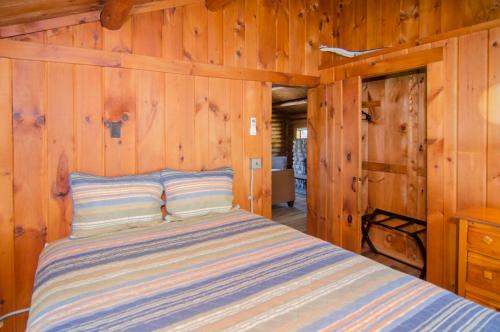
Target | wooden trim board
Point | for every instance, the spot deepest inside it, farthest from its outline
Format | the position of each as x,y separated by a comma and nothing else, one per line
431,39
388,66
73,55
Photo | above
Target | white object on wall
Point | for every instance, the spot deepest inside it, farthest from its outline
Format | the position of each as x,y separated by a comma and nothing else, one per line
253,126
346,53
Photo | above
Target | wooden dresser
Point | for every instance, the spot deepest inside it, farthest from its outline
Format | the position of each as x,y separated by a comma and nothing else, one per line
479,256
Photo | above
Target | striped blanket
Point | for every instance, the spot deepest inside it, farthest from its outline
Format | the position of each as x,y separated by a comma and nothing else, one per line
233,272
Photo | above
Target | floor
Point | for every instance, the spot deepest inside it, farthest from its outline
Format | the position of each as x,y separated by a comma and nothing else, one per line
390,262
296,218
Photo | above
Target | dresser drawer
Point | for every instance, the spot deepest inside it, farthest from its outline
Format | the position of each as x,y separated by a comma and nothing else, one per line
483,272
484,239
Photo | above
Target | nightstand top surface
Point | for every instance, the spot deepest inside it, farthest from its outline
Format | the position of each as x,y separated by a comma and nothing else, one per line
480,214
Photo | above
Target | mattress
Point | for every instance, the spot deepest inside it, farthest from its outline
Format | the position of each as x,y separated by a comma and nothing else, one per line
233,272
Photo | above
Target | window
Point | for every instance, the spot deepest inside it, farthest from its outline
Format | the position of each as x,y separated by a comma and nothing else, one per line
301,133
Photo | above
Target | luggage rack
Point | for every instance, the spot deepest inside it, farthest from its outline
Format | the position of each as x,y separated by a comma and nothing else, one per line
380,218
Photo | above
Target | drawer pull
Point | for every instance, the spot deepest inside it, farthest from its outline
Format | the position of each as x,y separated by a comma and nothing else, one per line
488,275
486,239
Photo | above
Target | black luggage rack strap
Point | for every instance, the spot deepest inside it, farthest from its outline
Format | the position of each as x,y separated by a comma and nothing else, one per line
369,220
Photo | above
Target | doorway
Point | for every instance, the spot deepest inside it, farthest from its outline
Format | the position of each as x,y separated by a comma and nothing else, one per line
393,192
289,156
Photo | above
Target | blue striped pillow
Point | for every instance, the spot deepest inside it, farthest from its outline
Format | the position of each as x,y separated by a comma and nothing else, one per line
190,194
109,204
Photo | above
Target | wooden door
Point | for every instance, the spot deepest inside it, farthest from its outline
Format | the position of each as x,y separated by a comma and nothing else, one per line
334,163
350,223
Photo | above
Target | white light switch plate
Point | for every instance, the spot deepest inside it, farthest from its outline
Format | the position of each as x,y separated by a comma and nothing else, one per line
253,126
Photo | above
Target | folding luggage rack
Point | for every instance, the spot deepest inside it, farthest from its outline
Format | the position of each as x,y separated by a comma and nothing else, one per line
381,218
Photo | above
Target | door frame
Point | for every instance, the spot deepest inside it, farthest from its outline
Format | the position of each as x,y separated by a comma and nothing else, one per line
438,61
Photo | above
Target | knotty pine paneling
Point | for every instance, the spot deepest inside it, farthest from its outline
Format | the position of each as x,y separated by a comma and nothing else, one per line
57,112
281,35
361,24
275,35
462,145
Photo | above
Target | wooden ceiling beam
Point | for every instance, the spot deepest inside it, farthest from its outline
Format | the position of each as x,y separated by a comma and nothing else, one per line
91,16
115,13
215,5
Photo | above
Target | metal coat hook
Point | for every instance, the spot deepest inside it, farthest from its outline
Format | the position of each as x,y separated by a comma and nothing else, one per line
116,126
366,116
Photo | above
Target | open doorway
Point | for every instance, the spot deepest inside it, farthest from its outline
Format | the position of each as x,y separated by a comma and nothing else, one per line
394,177
289,156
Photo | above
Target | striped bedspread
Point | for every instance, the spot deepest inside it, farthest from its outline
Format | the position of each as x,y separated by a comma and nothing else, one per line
233,272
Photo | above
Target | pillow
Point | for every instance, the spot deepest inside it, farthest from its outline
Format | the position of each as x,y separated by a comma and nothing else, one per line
190,194
108,204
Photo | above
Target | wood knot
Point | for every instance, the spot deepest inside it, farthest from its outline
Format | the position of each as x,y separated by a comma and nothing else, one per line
495,44
18,231
40,120
238,53
212,107
17,117
187,55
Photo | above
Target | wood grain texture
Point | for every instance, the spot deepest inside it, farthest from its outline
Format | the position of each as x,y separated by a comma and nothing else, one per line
29,102
493,166
115,13
60,138
7,275
351,164
179,121
472,118
183,117
89,129
461,166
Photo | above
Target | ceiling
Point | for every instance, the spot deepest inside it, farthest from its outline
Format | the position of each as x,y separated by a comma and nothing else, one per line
290,100
24,11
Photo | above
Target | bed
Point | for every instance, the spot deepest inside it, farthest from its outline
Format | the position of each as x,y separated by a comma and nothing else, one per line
233,272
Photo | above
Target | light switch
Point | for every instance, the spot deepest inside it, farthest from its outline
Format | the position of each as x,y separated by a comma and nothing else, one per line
253,126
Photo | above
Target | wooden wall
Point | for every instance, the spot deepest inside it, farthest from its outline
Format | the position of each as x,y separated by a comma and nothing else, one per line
58,110
394,145
42,139
463,145
281,35
362,24
266,34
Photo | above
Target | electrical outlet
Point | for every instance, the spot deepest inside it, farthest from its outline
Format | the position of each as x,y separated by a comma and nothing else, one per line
255,163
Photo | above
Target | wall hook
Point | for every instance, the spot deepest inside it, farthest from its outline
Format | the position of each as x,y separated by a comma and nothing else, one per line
116,126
